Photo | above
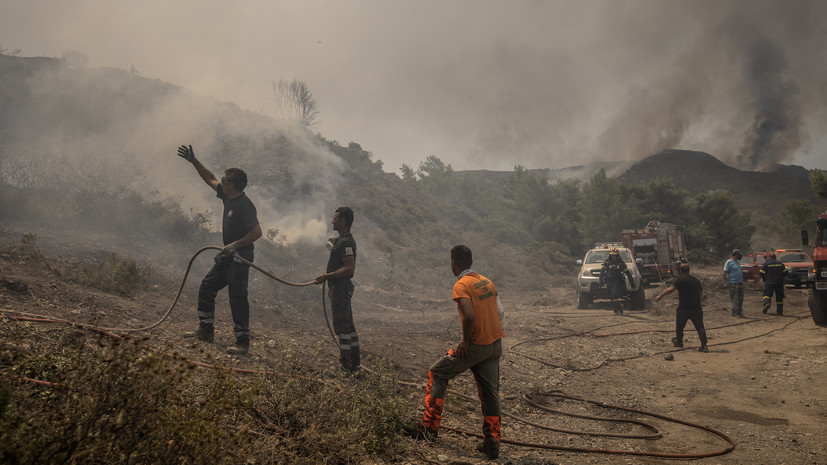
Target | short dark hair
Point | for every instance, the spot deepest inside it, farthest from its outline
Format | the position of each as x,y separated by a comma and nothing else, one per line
345,213
238,177
461,255
685,268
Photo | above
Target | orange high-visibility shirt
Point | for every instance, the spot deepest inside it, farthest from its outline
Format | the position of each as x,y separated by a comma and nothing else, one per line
483,296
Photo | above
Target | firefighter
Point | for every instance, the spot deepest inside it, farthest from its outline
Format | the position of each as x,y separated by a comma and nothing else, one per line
772,273
240,228
612,274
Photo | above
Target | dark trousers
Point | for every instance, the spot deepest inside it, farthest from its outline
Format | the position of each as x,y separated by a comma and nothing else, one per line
235,276
341,293
484,363
616,292
697,319
778,290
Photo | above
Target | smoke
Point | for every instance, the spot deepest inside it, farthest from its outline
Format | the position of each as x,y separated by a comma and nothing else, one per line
485,84
100,118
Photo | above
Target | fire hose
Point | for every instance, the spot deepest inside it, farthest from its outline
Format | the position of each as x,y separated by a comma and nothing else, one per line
656,434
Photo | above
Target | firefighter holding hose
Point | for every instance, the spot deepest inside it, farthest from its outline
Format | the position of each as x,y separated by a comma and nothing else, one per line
340,269
240,228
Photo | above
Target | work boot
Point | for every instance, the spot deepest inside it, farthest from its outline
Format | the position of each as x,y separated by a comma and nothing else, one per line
204,333
676,342
417,430
241,347
490,448
703,348
766,306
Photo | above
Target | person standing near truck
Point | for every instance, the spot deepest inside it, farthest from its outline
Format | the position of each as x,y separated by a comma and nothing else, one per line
612,274
772,273
734,280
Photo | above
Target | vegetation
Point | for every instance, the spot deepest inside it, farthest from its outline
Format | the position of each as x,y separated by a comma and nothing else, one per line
69,396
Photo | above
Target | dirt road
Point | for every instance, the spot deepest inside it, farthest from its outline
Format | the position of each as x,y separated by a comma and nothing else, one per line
761,384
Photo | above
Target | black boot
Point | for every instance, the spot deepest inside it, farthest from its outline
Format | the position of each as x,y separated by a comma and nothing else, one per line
241,347
204,333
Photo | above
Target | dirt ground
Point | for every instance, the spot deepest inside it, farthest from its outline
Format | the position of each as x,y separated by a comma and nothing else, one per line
761,384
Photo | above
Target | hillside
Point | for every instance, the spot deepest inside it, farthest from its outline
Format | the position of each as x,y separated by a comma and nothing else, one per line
763,193
56,114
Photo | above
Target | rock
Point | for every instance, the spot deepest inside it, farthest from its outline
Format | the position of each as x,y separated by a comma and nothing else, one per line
669,357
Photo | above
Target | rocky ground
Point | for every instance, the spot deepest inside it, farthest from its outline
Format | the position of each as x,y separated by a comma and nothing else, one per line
761,385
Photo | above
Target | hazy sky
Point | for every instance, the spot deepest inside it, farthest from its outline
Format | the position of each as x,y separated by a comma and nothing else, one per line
482,84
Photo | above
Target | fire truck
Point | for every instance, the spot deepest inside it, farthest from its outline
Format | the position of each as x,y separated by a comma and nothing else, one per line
660,246
818,289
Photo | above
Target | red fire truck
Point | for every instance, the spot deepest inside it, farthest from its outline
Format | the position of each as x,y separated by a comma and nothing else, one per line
818,290
660,246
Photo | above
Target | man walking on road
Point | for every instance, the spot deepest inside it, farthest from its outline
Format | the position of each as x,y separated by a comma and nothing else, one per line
240,228
690,294
734,279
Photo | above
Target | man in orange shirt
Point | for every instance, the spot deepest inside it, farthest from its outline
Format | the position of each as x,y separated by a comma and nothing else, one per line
479,350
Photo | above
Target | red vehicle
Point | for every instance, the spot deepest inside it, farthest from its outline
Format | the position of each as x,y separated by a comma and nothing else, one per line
797,261
659,246
818,290
751,265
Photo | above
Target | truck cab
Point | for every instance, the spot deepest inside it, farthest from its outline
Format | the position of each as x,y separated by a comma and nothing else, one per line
818,290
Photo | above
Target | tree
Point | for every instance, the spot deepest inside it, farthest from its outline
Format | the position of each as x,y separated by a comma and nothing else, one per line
294,101
796,213
408,174
818,179
719,226
435,175
608,206
527,196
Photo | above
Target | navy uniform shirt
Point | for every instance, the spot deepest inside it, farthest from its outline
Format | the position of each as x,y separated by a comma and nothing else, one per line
238,219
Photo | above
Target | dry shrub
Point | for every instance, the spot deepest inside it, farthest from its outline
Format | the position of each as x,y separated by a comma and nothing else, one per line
117,401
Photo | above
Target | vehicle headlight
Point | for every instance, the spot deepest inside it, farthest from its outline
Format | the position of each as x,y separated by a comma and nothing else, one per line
585,273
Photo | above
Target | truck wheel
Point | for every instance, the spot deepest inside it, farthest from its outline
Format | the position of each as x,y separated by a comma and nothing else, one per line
818,306
638,299
583,300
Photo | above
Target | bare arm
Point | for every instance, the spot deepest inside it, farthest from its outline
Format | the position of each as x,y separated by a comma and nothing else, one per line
466,308
668,291
344,272
211,181
250,237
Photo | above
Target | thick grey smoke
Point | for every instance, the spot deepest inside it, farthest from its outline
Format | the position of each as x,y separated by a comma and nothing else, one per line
484,83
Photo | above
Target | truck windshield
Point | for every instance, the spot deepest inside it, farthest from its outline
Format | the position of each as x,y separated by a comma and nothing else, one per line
794,257
599,256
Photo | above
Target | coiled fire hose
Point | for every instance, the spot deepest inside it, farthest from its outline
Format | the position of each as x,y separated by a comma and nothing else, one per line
656,434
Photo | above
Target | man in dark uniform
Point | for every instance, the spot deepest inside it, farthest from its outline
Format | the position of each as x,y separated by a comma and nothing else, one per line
340,269
240,228
772,273
612,275
690,293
